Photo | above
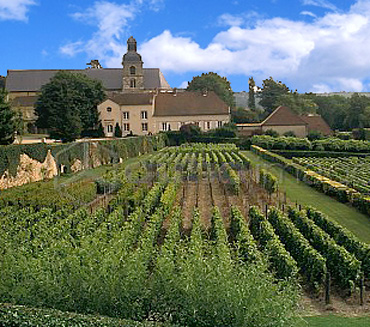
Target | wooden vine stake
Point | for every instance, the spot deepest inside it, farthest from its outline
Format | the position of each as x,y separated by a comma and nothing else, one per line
362,290
327,288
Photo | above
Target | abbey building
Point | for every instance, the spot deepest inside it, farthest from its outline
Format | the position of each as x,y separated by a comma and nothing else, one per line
139,99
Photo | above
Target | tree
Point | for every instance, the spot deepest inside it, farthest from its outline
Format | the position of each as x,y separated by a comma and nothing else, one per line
251,98
67,105
298,103
213,82
7,120
241,115
190,130
333,109
117,131
2,82
357,116
270,93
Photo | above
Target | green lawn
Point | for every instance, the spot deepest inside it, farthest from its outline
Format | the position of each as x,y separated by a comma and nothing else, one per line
301,193
335,321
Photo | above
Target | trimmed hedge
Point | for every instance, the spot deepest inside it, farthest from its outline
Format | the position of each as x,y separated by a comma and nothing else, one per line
294,143
289,154
14,316
107,151
337,190
281,143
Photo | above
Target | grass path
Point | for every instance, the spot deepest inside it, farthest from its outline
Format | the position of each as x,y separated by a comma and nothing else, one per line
335,321
301,193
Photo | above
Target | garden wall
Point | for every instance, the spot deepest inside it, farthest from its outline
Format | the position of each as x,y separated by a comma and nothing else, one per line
22,164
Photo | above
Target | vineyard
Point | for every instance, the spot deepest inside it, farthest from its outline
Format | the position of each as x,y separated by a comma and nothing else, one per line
352,171
187,239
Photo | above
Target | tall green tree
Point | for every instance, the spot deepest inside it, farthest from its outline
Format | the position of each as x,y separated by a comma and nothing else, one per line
357,116
2,82
271,92
334,109
117,131
213,82
67,105
251,94
7,119
298,103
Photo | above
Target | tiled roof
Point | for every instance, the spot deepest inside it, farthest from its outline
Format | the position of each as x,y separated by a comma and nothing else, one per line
132,98
317,123
189,104
32,80
283,116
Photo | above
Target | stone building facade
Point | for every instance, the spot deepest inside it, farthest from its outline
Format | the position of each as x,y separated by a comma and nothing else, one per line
139,99
283,120
143,113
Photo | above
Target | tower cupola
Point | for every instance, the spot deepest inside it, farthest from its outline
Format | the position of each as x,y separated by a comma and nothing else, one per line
133,77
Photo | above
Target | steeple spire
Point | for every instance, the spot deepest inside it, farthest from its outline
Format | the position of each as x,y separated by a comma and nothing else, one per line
131,44
133,75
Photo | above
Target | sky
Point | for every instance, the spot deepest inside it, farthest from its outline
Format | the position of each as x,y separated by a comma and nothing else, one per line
310,45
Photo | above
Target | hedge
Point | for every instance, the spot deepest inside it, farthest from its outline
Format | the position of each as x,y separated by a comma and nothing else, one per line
289,154
65,154
294,143
332,188
14,316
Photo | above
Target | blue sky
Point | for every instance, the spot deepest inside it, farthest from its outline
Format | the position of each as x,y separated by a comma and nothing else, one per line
310,45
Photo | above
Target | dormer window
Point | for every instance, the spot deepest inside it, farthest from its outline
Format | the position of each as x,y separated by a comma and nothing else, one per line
133,83
132,70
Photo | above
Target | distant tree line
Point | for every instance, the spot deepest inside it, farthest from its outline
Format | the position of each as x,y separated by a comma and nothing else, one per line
341,113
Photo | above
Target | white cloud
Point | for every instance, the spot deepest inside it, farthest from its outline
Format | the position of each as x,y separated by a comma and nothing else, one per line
246,18
320,3
329,52
308,13
184,85
15,9
112,21
72,48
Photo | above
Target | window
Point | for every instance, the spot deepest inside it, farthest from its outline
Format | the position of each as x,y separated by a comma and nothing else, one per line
208,124
144,127
132,70
144,114
219,124
110,128
165,127
133,83
126,115
126,127
109,109
197,123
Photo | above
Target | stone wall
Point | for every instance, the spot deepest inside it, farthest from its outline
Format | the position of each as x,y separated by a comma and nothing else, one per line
30,170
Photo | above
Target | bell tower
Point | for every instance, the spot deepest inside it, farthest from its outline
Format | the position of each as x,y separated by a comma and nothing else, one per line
133,76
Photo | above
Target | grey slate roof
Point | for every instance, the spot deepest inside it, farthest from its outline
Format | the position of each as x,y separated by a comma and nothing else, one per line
32,80
189,104
132,98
